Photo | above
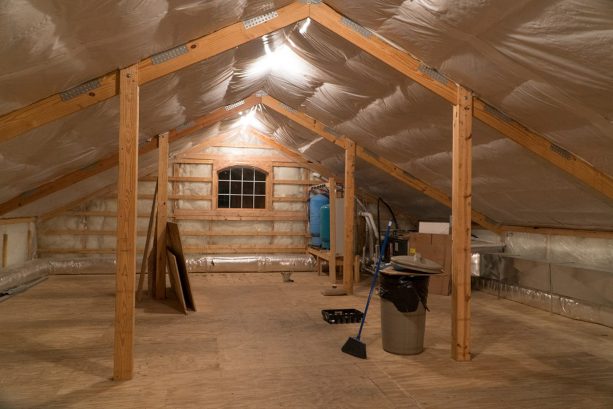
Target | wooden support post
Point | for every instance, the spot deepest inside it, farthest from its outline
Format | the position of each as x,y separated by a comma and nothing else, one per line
332,258
127,193
162,206
5,250
461,225
349,215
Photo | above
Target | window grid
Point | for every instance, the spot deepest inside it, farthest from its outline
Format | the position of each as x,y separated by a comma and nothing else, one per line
241,187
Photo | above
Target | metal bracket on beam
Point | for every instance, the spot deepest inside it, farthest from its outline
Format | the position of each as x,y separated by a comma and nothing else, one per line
433,73
363,31
561,151
169,54
80,89
500,115
234,105
252,22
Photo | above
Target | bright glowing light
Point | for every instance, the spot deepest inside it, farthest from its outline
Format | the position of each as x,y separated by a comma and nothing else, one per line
282,61
305,26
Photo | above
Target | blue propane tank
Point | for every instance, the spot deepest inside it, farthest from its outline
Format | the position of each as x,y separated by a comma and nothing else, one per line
325,226
315,204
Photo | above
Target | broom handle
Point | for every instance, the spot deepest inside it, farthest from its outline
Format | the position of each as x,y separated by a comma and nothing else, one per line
374,277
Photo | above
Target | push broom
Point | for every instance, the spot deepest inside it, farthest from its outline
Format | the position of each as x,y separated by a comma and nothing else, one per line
354,346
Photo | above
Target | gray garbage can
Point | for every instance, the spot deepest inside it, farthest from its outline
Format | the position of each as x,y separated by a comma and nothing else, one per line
402,333
403,311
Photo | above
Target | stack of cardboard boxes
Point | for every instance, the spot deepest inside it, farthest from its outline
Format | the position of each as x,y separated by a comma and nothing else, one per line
435,247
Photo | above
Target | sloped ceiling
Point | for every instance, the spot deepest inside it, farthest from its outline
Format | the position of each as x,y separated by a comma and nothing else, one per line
542,62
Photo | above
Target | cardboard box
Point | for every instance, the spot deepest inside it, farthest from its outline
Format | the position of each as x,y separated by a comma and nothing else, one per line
435,247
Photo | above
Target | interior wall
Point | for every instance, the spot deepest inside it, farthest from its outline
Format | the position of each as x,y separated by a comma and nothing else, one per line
89,229
17,242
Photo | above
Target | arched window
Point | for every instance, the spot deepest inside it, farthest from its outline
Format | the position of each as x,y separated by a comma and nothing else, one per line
241,187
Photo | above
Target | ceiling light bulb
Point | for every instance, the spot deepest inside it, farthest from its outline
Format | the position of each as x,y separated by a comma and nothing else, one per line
305,26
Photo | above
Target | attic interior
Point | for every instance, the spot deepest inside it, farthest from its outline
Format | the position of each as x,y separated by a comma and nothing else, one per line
187,186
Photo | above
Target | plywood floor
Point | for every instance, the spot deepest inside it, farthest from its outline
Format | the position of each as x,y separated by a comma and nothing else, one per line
260,343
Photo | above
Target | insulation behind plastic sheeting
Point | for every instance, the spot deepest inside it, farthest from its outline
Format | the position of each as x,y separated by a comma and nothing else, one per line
201,169
583,251
260,263
27,272
568,289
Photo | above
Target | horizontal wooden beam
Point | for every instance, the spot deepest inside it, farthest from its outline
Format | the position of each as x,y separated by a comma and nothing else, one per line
290,199
17,220
179,179
381,163
111,161
219,217
211,249
554,231
99,89
294,182
186,233
563,159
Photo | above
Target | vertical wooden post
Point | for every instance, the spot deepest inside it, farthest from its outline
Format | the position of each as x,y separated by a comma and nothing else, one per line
461,225
127,186
5,250
349,215
332,258
162,215
29,249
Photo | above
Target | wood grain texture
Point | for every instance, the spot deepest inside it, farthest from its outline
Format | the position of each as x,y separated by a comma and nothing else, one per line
561,158
411,67
461,198
374,160
260,343
127,188
53,107
349,215
162,217
332,253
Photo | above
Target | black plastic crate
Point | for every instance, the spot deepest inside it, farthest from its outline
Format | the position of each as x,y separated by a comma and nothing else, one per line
342,316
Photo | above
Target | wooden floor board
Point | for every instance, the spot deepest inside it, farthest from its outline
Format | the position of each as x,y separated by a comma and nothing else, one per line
260,343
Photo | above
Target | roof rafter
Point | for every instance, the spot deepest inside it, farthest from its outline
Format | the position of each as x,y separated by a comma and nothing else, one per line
112,160
297,156
99,89
383,164
447,89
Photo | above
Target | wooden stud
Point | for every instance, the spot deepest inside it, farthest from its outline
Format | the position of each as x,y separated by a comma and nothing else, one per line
332,252
17,220
461,226
349,215
356,269
29,243
162,217
5,250
127,190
